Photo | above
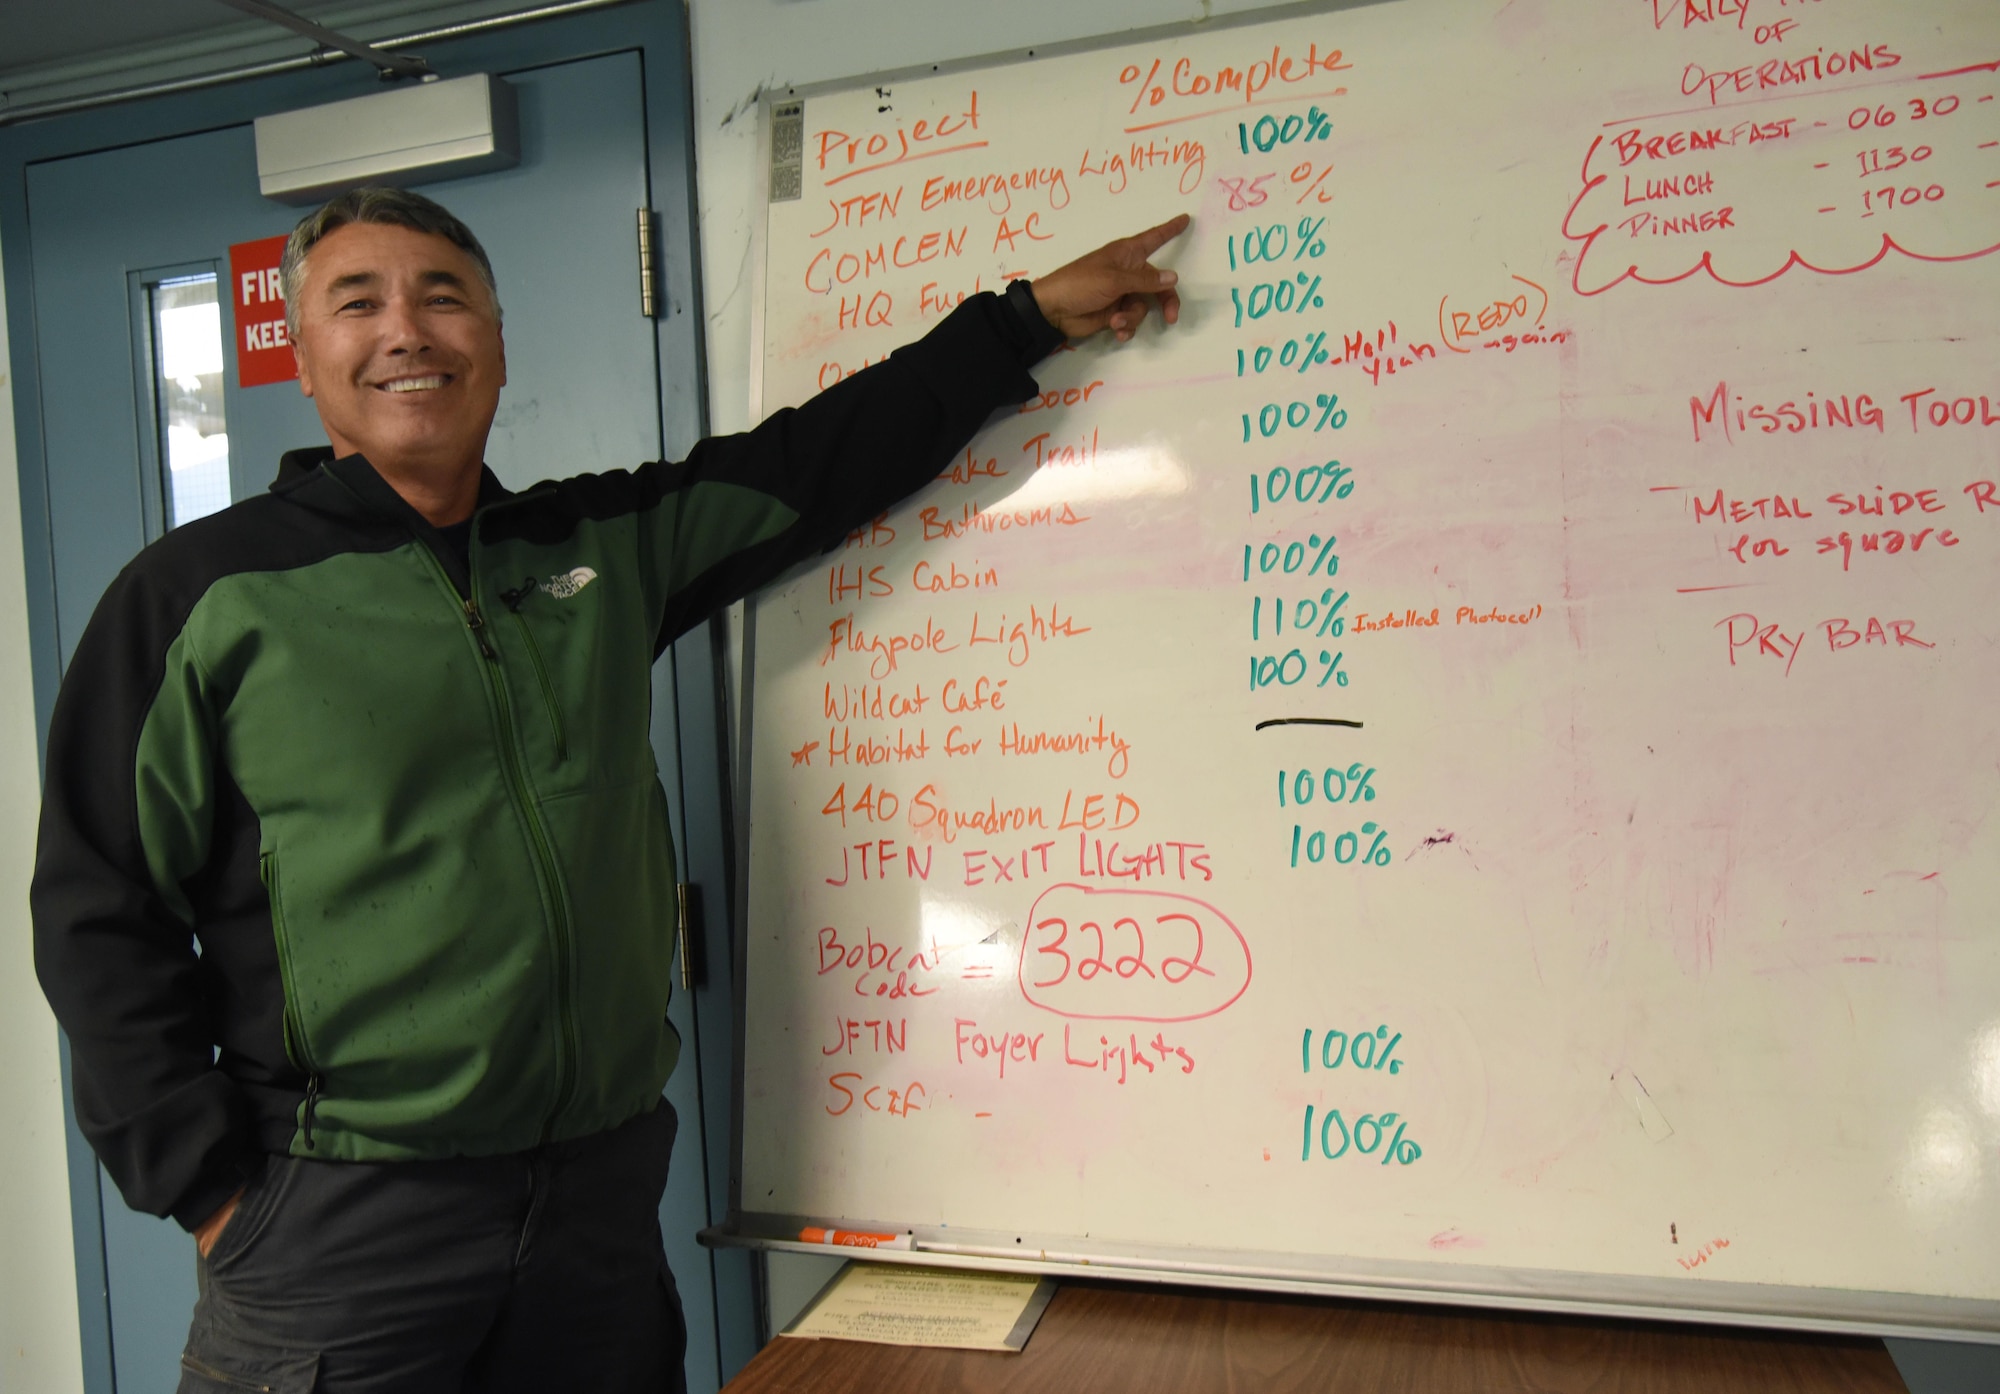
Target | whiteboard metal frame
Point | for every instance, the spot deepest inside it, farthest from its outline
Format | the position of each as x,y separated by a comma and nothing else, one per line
1767,1306
1763,1306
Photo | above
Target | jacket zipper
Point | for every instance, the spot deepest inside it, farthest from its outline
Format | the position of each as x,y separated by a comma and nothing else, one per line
538,837
548,687
294,1030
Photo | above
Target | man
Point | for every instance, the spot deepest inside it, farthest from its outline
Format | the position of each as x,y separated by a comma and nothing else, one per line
377,742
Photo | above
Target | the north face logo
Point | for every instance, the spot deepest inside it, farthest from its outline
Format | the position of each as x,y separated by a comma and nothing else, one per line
567,584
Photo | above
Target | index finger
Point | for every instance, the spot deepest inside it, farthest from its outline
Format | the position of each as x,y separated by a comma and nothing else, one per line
1153,238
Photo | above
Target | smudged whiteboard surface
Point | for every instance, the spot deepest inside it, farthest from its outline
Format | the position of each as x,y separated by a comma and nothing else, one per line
1600,403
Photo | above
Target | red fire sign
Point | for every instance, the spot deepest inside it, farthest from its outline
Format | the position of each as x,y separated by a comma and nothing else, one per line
263,348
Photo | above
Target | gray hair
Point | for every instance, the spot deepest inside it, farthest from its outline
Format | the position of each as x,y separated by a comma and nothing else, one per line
374,203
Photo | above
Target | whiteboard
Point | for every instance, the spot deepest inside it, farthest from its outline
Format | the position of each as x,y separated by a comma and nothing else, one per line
1465,769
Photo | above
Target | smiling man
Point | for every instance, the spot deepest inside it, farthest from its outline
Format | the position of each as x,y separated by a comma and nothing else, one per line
355,889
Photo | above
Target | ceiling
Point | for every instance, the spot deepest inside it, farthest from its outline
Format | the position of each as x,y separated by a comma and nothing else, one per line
60,49
40,33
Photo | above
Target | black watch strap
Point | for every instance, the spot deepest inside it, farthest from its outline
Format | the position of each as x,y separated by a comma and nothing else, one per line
1044,336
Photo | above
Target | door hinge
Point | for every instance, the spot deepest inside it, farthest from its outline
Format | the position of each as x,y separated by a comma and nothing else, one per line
684,912
649,301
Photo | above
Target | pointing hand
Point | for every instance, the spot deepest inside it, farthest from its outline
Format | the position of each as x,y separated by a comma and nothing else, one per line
1108,288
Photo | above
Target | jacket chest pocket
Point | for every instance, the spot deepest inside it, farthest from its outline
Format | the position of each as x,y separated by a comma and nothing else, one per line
551,699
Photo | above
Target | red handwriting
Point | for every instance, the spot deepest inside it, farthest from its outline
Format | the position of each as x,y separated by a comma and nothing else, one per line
859,582
986,864
1752,638
838,150
1082,451
1637,143
975,517
1128,1058
1408,619
878,860
1697,185
1472,614
1653,225
1455,326
1816,412
1090,813
872,702
1703,1254
1116,167
1085,740
1743,510
1890,541
877,532
1509,342
872,961
1017,1047
1231,85
1031,228
929,579
1019,637
1731,13
1693,12
1955,411
932,815
984,694
1130,955
1782,73
875,312
1673,248
828,269
1060,397
932,301
1883,503
885,651
869,804
885,1037
875,1098
1119,862
972,468
862,209
867,751
996,189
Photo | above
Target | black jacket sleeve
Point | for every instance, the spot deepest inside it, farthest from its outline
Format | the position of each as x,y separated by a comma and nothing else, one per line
742,509
127,814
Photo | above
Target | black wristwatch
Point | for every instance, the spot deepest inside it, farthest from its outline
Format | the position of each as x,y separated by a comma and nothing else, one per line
1021,296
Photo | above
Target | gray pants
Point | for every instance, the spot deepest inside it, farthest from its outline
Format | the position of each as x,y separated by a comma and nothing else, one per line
541,1271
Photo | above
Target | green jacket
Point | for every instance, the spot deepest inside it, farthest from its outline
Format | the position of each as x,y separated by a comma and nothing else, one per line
409,813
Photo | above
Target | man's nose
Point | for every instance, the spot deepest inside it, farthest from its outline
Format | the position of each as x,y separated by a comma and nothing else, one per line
402,326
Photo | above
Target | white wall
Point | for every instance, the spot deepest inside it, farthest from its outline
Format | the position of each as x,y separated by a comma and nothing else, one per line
39,1344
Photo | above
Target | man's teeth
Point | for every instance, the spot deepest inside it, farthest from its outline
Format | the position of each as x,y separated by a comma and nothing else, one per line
415,384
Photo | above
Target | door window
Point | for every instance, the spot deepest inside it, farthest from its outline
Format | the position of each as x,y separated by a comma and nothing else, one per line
192,435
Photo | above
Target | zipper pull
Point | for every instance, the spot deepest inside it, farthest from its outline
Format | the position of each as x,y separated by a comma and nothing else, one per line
312,1103
512,599
476,622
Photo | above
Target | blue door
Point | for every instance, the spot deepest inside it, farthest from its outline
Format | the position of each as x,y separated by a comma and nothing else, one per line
143,425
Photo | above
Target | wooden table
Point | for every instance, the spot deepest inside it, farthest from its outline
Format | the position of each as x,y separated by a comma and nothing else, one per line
1112,1338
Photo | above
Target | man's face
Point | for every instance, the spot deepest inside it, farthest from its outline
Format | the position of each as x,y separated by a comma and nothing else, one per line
399,347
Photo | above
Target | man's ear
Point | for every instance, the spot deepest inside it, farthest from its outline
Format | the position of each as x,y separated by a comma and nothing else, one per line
305,372
500,334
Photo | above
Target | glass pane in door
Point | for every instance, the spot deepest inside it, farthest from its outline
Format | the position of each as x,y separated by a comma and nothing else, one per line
187,357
